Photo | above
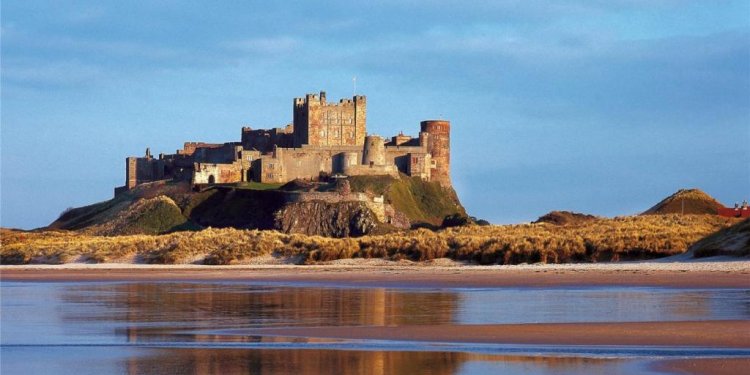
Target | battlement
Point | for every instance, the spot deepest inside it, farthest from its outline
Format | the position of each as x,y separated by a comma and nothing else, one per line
320,99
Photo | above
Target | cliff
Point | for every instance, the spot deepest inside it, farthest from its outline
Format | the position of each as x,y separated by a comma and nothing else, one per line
344,219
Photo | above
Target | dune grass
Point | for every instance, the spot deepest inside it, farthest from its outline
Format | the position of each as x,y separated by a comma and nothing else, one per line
627,238
733,241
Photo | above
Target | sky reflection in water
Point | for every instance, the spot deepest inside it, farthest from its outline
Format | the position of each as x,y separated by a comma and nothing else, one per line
165,327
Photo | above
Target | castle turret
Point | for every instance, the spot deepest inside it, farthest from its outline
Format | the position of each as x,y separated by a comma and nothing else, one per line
374,151
349,160
439,146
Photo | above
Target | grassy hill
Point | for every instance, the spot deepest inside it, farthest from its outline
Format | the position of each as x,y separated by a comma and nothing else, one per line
164,206
424,203
688,201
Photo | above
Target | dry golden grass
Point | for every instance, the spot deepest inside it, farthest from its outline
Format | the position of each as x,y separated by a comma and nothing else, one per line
637,237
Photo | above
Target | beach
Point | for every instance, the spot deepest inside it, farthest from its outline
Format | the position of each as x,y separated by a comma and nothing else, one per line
695,274
677,308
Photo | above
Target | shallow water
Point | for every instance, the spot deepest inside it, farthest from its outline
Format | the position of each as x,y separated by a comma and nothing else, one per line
169,327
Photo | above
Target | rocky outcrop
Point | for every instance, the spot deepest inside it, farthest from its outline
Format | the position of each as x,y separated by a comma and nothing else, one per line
341,219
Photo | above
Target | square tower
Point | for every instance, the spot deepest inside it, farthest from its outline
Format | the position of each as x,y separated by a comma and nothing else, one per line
319,123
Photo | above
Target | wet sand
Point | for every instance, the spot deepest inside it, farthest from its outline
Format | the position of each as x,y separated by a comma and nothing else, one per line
713,366
718,334
689,275
728,334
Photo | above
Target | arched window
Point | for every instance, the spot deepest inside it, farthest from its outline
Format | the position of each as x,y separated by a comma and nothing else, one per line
211,179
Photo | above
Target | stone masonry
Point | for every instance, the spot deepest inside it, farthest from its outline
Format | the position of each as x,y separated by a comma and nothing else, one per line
324,139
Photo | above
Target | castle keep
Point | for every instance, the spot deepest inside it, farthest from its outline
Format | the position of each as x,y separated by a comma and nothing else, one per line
324,139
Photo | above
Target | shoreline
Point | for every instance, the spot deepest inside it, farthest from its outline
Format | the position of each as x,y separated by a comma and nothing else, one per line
708,274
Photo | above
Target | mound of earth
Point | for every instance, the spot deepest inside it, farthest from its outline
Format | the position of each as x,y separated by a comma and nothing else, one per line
164,206
425,204
734,241
145,216
687,201
565,218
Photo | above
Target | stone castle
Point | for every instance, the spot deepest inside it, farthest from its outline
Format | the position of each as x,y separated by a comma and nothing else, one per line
324,139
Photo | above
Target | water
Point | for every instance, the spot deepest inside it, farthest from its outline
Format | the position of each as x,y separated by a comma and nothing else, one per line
176,327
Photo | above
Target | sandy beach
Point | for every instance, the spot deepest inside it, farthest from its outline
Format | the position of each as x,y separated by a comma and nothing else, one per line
713,274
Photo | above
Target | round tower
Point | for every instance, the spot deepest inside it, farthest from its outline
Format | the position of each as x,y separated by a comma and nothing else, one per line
349,160
439,146
374,151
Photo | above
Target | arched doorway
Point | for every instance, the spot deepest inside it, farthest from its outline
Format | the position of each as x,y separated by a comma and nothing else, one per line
211,179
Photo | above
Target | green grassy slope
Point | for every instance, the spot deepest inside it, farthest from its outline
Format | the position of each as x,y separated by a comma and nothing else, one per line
422,202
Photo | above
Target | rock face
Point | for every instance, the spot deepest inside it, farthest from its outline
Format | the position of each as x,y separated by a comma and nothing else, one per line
565,218
342,219
688,201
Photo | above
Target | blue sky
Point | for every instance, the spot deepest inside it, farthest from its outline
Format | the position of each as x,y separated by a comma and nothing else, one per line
603,107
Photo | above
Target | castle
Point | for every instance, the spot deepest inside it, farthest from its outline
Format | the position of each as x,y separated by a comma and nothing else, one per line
324,139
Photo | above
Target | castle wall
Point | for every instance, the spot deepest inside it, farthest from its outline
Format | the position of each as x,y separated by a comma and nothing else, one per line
189,147
372,170
420,165
438,145
211,173
399,156
319,123
227,153
306,162
264,140
131,177
140,170
400,139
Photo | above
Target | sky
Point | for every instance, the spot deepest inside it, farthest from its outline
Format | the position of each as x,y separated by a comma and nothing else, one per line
601,107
